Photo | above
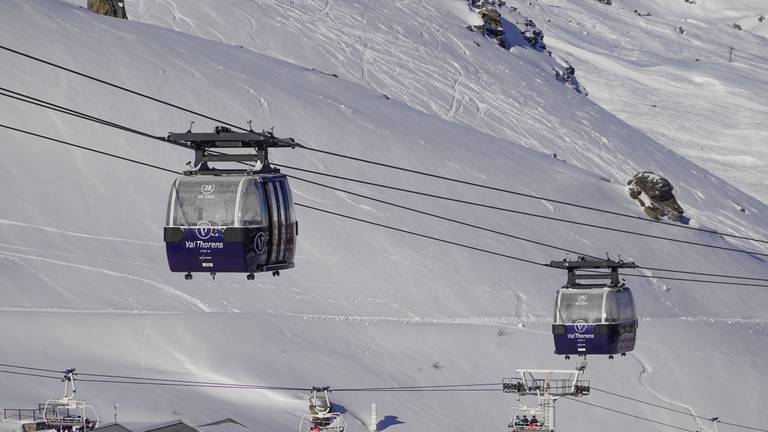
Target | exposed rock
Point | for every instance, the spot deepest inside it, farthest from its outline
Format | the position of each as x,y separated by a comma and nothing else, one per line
113,8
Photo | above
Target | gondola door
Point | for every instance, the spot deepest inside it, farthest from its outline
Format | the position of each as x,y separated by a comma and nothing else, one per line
281,224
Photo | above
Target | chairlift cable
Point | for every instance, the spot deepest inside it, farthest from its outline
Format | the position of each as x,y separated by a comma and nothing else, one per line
14,366
509,256
492,207
503,255
58,108
675,410
628,414
103,153
29,374
179,384
5,92
119,87
437,216
377,163
473,387
532,196
48,105
399,388
413,233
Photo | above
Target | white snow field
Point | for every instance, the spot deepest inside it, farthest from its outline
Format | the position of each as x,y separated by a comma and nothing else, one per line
678,88
639,68
84,279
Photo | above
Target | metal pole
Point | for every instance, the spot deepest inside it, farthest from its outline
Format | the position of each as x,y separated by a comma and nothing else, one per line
551,412
730,55
372,425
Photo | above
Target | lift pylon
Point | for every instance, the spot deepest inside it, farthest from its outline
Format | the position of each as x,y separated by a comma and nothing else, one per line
546,385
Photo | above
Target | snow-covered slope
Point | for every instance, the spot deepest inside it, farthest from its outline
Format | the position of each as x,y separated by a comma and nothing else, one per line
702,92
639,68
84,281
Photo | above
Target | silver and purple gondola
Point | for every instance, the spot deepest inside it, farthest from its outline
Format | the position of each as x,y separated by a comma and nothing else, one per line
597,317
225,220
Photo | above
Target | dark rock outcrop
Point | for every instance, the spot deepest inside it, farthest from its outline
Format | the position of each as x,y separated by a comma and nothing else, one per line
113,8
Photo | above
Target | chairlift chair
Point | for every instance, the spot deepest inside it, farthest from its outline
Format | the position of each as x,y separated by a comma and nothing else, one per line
538,425
68,412
320,416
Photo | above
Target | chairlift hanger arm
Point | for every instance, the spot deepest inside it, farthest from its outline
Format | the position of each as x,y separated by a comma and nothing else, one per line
228,139
223,138
591,264
575,267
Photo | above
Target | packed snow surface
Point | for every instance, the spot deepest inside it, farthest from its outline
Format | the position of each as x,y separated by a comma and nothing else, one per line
680,89
85,284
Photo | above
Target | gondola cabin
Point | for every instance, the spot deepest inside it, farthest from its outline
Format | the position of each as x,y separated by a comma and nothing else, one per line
243,224
594,319
230,221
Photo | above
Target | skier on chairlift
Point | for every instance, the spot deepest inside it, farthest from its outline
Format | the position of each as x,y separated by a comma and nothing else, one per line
659,192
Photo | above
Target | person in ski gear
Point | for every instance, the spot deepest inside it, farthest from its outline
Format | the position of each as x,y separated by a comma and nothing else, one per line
526,422
518,421
534,421
659,193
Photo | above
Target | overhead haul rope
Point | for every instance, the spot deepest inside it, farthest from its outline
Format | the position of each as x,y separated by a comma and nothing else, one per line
65,110
677,411
58,108
628,414
69,111
377,163
405,231
473,387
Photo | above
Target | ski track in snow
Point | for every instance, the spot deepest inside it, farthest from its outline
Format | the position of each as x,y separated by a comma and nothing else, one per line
56,286
645,368
76,234
90,257
145,335
516,322
198,304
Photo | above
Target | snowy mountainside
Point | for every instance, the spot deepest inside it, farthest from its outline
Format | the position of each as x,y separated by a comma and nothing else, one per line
85,283
678,88
641,69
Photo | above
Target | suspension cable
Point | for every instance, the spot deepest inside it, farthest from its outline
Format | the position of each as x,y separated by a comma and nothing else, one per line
377,163
65,110
628,414
478,249
690,414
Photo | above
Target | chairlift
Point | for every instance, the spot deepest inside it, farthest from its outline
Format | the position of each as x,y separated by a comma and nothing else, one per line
529,419
68,413
230,220
594,318
321,416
